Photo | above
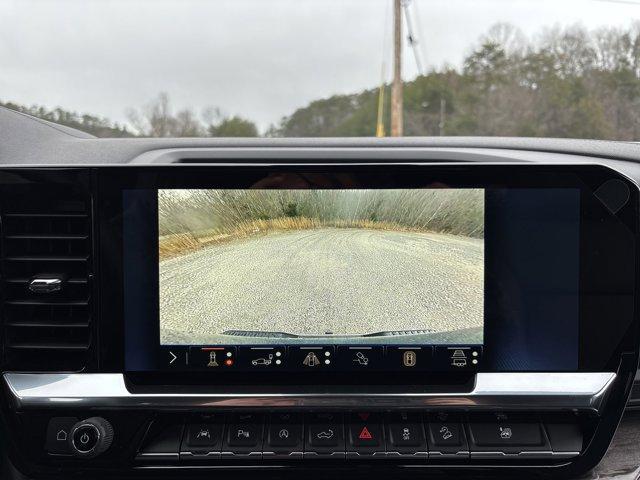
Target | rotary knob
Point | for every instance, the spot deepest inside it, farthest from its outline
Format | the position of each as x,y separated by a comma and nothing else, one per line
91,437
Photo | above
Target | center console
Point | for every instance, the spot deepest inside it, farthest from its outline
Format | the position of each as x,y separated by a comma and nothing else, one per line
282,315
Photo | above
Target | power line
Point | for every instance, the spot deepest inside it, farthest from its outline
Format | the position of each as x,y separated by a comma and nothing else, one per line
386,39
624,2
411,36
421,35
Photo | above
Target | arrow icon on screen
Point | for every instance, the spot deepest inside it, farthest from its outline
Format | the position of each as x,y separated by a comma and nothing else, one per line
174,357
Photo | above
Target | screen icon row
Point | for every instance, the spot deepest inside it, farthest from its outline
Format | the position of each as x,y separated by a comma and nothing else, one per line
329,357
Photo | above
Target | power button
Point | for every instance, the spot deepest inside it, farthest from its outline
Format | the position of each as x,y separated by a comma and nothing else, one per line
85,438
91,437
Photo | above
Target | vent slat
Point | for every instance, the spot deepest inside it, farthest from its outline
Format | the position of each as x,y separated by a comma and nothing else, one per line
72,281
45,258
44,302
49,324
46,238
46,215
48,346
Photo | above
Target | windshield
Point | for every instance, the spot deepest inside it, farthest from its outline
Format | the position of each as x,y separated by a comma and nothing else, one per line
327,68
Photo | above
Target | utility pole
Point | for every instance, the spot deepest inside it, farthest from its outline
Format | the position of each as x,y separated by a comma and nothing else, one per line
396,89
443,111
380,120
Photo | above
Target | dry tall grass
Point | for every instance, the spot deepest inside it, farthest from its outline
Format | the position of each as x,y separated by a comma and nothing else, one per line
191,219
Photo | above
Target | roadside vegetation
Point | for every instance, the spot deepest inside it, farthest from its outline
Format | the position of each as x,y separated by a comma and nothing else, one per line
566,82
192,219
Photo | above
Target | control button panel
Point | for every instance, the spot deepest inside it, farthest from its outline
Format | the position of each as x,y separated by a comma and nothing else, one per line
357,436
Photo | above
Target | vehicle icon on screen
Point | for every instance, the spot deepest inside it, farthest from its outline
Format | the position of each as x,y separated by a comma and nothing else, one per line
459,358
409,358
262,361
361,359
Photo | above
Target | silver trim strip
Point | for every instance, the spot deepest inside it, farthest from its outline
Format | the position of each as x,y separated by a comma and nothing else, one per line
543,454
491,390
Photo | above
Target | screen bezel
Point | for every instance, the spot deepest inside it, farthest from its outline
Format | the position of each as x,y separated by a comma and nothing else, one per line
594,354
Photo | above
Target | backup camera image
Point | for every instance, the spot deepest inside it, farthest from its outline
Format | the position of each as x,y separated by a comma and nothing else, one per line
353,266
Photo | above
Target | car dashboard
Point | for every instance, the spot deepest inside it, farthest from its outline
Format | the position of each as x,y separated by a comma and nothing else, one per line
111,366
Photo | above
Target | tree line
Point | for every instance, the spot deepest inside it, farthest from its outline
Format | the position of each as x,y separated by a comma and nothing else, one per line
566,82
155,119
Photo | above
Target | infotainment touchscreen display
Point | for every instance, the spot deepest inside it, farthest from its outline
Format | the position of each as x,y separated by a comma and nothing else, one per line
313,267
325,272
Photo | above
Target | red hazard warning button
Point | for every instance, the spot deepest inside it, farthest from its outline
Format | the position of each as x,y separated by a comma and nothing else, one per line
365,433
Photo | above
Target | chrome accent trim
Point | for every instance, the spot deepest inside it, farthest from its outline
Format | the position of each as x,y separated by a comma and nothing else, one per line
158,454
192,456
321,456
491,390
434,455
48,284
351,455
226,455
533,454
270,456
416,455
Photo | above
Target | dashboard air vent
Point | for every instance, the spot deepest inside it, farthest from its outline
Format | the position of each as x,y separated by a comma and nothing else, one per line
46,270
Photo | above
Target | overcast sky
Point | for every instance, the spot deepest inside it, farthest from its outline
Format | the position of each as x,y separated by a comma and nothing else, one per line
261,59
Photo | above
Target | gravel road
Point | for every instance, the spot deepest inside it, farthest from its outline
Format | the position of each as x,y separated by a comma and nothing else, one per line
343,281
